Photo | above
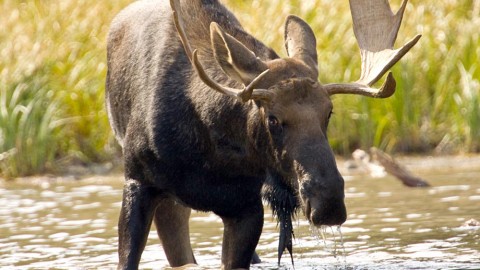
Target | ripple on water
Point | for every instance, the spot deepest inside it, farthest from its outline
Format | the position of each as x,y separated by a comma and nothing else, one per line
353,221
384,194
474,198
22,236
413,215
390,220
450,199
75,223
61,236
93,205
447,189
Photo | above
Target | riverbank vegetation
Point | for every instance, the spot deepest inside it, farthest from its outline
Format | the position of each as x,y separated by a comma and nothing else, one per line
53,67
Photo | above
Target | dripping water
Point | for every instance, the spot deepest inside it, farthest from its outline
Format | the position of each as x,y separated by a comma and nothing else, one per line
344,253
335,246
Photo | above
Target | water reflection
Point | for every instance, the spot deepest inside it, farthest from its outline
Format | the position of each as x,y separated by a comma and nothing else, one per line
67,224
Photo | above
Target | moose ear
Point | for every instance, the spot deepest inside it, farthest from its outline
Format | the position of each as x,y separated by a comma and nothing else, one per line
236,60
300,42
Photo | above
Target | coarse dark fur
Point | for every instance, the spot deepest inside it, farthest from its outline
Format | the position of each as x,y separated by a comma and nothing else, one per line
188,147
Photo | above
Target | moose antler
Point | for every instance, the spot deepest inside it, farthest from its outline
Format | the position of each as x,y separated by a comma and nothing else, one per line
375,27
180,26
246,93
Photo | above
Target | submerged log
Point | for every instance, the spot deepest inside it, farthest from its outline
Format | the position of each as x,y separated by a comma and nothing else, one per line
395,169
471,223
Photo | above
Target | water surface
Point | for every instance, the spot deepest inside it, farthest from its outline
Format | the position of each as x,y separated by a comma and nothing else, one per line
72,224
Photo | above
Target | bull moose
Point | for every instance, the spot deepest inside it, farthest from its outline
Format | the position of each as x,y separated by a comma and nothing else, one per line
211,119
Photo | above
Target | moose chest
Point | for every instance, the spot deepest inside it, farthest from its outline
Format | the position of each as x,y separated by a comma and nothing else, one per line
207,190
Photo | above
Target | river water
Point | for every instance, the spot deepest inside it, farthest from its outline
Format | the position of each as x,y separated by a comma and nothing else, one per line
72,224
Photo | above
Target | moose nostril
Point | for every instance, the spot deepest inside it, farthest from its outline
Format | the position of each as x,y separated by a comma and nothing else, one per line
319,218
327,213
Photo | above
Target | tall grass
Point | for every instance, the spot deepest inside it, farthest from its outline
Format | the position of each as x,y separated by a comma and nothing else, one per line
52,73
436,106
28,111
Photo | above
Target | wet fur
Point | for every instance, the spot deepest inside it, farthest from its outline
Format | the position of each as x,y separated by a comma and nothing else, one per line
186,146
170,130
282,198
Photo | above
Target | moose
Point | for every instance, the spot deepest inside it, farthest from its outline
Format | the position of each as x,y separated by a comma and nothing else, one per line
211,119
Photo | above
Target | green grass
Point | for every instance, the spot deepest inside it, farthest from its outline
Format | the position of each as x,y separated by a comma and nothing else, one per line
436,106
27,111
52,73
52,76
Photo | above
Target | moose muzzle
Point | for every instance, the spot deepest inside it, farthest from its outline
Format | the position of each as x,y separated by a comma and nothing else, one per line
321,188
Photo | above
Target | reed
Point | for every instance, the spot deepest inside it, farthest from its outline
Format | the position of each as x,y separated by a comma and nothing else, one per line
53,69
52,82
436,107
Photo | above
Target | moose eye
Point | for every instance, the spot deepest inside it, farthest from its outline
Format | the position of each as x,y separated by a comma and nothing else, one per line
273,121
276,129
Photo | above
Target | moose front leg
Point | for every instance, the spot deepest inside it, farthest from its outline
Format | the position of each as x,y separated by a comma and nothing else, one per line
240,238
171,220
138,205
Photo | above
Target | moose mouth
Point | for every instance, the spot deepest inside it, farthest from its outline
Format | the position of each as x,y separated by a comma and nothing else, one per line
330,212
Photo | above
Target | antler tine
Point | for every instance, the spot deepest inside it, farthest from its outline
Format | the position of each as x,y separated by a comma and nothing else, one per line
245,94
387,89
175,5
375,27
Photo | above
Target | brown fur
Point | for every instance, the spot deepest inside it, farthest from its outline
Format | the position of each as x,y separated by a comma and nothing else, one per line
189,147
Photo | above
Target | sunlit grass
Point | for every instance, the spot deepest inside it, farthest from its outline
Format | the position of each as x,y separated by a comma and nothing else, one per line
52,83
52,73
28,111
436,106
